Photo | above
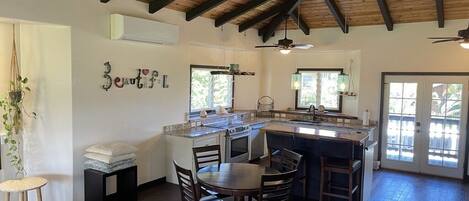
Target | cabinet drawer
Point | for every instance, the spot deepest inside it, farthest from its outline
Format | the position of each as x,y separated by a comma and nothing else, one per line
207,141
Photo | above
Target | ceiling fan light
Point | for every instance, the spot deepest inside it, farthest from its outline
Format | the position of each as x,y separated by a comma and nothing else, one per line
464,44
285,51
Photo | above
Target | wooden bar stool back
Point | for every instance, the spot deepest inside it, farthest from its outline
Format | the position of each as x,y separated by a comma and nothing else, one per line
23,186
338,157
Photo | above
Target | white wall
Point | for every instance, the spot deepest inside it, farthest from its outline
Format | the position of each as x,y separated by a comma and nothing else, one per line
128,114
404,49
132,115
278,69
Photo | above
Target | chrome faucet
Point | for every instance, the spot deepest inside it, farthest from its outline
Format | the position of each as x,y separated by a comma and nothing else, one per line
312,109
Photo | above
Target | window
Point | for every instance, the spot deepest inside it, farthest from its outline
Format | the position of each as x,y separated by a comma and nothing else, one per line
319,87
210,91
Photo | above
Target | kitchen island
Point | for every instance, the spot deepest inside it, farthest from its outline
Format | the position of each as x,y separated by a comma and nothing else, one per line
314,142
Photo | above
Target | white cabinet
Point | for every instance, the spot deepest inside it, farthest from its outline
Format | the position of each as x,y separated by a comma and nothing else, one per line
179,149
368,170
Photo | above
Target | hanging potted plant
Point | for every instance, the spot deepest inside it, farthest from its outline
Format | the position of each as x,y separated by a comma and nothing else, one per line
12,113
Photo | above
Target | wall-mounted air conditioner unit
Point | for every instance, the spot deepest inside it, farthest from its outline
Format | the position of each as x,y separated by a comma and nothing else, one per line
143,30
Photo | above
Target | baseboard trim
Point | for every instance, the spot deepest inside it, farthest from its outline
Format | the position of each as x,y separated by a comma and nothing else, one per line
151,184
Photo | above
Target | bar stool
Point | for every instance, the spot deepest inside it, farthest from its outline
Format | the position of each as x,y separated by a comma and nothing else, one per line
279,146
338,158
22,186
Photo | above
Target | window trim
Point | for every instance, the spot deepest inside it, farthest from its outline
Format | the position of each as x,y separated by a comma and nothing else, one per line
194,66
341,70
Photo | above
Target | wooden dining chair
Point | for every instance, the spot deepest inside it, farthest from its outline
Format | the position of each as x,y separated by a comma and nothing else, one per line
276,187
287,161
205,156
187,187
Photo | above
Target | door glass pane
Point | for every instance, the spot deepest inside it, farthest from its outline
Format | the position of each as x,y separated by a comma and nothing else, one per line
408,106
395,106
445,123
401,121
410,90
392,152
407,153
395,90
394,126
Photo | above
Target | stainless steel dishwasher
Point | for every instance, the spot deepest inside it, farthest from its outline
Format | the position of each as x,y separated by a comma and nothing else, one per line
257,141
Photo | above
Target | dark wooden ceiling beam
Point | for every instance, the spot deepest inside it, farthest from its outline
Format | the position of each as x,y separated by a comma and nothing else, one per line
270,28
259,18
299,21
383,6
337,14
104,1
440,11
202,8
289,7
156,5
237,12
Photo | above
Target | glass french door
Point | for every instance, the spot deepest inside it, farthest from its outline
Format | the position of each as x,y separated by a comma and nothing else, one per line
424,124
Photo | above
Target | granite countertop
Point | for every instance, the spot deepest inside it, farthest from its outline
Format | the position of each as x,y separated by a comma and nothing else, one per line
326,124
201,130
317,133
194,132
255,121
323,114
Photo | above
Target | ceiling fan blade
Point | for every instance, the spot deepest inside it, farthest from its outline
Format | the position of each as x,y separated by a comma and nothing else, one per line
445,38
442,41
265,46
302,46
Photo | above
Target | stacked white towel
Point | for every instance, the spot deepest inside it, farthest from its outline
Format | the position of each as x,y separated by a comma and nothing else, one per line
110,157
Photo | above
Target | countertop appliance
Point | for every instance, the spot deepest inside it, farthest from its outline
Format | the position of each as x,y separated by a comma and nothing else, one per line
237,140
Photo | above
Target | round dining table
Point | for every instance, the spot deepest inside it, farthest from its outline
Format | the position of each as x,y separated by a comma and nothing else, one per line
233,179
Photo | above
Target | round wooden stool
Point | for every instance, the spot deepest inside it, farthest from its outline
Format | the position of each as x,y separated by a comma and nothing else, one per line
22,186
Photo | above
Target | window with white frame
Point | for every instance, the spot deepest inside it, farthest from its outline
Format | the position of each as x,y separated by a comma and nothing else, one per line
319,87
210,91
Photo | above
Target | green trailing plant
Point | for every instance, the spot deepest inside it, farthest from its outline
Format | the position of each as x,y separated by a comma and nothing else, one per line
12,121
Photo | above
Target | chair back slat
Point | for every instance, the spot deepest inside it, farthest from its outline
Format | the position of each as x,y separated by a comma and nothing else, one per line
276,187
186,183
205,156
290,160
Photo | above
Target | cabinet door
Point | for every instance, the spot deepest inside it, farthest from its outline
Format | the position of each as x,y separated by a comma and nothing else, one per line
207,141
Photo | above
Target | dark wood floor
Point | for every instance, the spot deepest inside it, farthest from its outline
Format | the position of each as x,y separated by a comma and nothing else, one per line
387,186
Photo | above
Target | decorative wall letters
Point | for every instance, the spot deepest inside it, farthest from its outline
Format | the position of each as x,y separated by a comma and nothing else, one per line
145,78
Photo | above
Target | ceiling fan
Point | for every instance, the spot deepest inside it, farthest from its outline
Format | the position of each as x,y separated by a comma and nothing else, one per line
286,45
463,36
